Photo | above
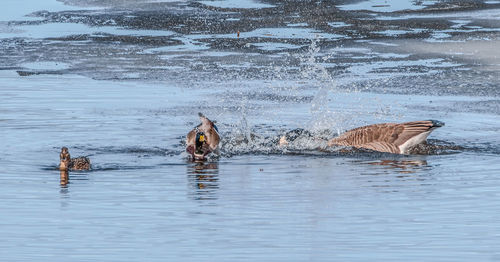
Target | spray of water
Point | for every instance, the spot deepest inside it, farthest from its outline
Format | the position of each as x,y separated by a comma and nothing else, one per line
323,123
314,71
246,138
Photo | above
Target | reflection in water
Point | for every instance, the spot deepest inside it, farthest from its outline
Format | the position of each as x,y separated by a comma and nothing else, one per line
394,175
64,181
402,166
64,178
203,178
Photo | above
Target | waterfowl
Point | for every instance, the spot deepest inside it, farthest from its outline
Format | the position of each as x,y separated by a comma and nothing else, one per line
396,138
65,159
67,163
203,139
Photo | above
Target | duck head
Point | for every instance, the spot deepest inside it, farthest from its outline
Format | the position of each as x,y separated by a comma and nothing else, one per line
65,159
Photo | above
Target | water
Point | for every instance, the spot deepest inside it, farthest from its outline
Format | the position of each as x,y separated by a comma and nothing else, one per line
123,85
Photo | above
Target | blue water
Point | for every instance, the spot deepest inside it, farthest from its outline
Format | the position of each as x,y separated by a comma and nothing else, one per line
144,200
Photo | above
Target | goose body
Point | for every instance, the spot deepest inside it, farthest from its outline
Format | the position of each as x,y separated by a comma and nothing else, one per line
67,163
394,138
203,139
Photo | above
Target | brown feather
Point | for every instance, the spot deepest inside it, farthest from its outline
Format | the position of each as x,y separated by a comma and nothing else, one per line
387,137
211,136
68,163
191,138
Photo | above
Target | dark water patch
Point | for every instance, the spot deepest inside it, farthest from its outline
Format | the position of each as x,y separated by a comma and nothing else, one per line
38,72
106,167
454,5
119,167
132,150
174,164
120,39
436,147
50,168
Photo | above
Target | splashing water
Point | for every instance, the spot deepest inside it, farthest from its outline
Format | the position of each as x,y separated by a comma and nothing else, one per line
247,138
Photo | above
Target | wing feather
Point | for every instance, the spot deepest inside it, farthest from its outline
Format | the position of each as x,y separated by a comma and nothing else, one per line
387,137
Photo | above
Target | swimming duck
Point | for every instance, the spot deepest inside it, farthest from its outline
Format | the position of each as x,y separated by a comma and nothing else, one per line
396,138
203,139
79,163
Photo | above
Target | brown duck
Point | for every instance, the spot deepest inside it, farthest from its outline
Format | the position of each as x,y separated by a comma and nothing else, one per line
388,137
203,139
68,163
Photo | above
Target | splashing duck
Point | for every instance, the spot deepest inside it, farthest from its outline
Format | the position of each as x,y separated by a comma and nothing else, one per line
68,163
203,139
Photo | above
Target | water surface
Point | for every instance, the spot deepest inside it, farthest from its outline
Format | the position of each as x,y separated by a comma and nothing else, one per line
122,82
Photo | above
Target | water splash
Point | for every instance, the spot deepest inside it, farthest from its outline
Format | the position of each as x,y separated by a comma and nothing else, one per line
245,130
317,74
314,143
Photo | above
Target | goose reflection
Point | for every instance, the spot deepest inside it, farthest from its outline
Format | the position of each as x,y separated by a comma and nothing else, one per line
402,166
203,178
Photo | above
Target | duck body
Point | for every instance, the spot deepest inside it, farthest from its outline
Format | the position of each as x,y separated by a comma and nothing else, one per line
203,139
80,163
396,138
68,163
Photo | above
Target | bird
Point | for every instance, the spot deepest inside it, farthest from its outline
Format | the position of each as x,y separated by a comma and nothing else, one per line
203,139
396,138
68,163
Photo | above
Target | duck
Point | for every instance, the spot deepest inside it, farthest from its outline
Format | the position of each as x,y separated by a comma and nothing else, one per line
203,139
395,138
68,163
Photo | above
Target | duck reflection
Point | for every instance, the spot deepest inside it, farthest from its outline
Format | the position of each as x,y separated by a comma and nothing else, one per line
203,178
64,181
64,178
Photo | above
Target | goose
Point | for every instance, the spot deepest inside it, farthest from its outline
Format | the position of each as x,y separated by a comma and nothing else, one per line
67,163
203,139
396,138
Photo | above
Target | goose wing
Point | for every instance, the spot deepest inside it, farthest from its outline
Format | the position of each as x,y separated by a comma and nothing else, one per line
368,134
381,147
388,137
